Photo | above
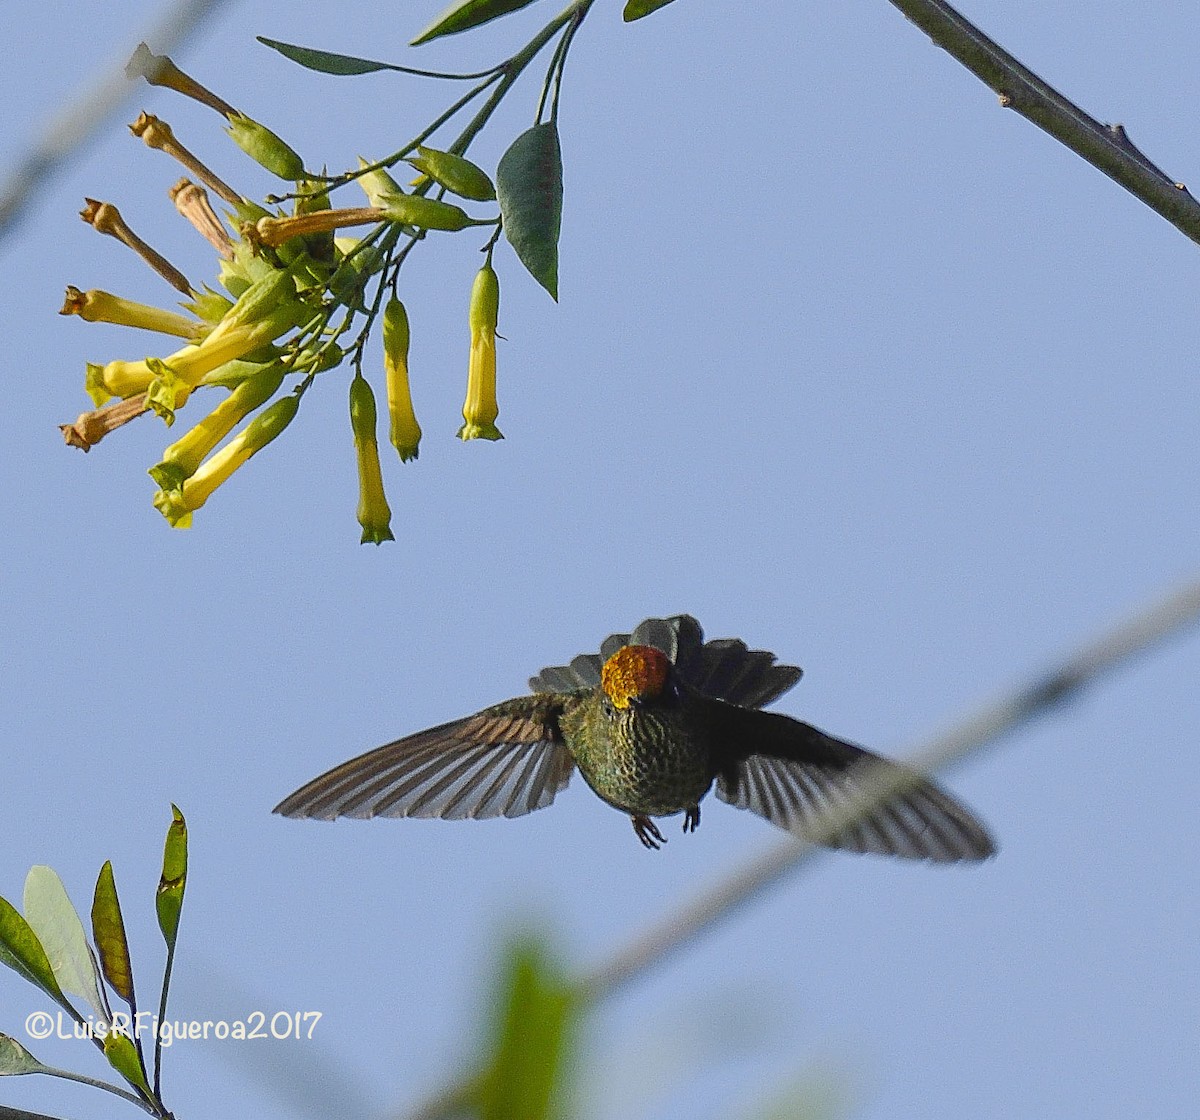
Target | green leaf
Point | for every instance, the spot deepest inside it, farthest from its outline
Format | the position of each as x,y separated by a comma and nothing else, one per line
635,9
465,14
122,1055
108,928
169,900
529,186
326,62
22,951
15,1059
531,1036
57,925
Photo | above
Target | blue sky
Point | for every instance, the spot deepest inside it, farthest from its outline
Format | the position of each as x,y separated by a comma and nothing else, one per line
848,362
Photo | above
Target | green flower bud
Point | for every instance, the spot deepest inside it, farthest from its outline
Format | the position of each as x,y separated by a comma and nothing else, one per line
480,408
265,148
177,506
405,432
373,513
427,213
458,175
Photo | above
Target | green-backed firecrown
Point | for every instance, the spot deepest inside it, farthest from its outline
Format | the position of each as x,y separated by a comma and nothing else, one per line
651,722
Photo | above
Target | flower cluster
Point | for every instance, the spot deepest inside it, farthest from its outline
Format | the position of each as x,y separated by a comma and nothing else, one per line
294,299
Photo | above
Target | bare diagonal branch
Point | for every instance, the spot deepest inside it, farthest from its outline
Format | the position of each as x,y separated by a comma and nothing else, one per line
1106,147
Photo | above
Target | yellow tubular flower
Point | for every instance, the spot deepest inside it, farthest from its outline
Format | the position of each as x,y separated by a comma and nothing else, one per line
181,460
405,432
480,408
373,513
97,306
267,309
177,506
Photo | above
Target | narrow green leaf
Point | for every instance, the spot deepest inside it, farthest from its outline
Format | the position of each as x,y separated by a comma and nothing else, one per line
530,1038
529,186
58,927
635,9
169,900
108,928
465,14
15,1059
22,951
122,1055
326,62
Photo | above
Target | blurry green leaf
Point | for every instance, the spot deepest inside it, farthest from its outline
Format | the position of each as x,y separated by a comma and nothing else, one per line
530,1038
465,14
58,927
122,1055
108,928
325,62
529,185
169,900
22,951
15,1059
635,9
818,1094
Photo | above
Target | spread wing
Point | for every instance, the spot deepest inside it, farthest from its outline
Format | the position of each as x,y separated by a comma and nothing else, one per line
793,775
502,762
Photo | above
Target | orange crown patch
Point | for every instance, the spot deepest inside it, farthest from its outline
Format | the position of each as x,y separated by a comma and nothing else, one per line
634,672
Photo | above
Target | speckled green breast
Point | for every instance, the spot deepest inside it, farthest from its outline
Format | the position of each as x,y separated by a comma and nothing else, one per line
644,760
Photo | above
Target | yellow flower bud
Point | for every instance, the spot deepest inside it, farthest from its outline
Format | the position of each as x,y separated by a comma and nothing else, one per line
480,408
373,513
405,432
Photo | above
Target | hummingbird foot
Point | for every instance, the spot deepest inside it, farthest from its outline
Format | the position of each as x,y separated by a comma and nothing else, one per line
648,832
691,819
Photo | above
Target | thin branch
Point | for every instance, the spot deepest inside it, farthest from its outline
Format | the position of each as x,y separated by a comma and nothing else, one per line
78,123
1106,147
1161,620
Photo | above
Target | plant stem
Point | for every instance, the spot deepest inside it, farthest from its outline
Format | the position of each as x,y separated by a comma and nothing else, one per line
67,1075
1104,146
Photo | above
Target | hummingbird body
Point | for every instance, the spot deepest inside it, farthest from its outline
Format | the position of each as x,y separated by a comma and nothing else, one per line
643,760
652,723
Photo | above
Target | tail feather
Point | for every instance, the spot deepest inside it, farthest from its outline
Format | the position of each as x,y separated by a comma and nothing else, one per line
725,668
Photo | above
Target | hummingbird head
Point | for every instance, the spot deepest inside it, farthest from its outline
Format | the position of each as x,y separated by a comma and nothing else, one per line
633,674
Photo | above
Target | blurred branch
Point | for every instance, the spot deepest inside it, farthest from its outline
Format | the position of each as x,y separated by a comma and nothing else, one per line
7,1113
70,132
1106,147
1155,623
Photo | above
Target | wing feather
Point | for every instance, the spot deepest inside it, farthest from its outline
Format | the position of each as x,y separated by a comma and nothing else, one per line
507,760
794,776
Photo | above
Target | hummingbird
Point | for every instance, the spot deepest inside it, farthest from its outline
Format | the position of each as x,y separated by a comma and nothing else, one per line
652,722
